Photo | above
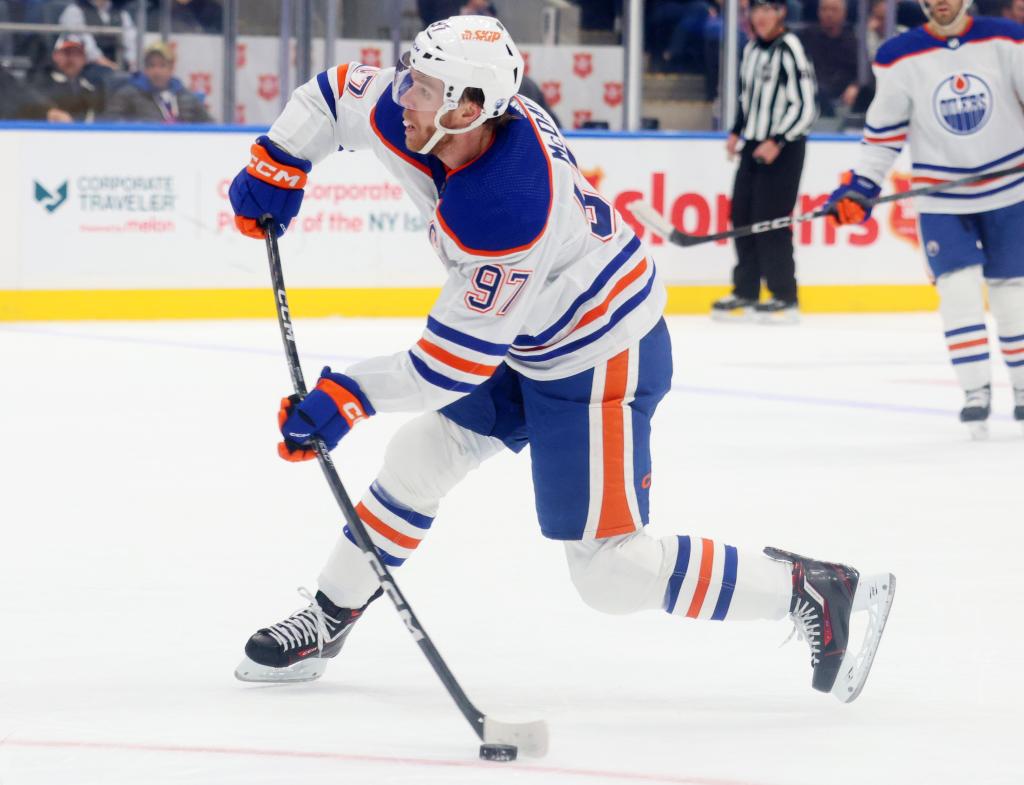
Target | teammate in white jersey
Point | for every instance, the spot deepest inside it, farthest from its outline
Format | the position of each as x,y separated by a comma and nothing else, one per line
548,332
953,89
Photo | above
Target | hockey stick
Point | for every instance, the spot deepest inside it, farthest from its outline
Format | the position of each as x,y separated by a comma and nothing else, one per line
657,222
530,737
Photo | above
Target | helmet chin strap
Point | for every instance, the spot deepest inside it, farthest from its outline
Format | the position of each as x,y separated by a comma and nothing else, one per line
441,130
953,26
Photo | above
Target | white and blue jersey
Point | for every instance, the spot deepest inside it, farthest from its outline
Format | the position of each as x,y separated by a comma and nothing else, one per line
543,274
958,102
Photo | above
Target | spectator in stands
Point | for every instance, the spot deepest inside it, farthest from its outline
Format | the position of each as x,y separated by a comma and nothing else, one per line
103,50
14,96
996,8
478,7
433,10
64,95
1017,11
832,47
194,16
155,96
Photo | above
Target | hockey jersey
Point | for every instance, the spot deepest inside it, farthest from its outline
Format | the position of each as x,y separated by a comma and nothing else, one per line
957,101
542,272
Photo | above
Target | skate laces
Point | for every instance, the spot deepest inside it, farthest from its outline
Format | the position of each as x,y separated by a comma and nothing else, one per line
807,627
979,398
302,627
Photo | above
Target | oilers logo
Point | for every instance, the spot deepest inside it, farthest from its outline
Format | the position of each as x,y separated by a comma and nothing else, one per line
963,103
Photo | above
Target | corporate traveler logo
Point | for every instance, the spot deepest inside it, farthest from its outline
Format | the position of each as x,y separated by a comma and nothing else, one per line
963,103
51,201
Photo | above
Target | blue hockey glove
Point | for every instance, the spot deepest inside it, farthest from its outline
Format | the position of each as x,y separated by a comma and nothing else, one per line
328,413
850,202
272,184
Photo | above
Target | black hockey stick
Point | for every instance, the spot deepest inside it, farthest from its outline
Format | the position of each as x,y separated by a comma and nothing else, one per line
530,737
657,222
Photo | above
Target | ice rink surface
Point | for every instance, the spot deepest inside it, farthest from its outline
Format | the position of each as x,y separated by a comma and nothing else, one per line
148,529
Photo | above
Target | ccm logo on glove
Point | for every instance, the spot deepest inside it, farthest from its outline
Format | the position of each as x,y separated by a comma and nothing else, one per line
328,413
264,168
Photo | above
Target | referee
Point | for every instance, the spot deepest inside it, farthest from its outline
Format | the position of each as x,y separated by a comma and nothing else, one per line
776,109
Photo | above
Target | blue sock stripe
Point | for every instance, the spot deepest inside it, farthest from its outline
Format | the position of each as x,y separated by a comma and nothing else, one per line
418,520
678,574
962,330
1014,363
384,556
728,584
1012,338
972,359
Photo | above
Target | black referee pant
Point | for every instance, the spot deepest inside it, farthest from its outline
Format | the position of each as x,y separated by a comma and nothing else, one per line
762,192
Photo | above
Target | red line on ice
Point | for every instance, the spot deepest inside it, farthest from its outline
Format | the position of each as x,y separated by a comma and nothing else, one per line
519,768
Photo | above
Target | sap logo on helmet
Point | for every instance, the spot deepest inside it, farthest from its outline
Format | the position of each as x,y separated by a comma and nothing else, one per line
962,103
273,174
490,36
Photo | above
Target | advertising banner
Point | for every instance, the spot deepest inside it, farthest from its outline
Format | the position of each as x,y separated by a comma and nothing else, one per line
108,209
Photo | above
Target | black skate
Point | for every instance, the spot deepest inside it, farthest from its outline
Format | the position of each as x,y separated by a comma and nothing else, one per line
1018,405
977,407
297,649
732,309
825,597
777,312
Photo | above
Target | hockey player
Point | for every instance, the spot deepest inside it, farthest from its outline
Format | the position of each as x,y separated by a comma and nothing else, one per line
953,89
548,332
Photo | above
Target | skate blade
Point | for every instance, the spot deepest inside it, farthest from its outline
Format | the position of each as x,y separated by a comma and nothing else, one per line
874,595
979,430
735,315
792,317
307,670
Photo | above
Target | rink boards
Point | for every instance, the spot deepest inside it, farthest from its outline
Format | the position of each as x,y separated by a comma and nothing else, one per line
120,223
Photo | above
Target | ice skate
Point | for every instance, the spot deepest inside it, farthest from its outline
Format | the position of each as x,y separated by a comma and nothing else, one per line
1018,406
825,598
777,312
977,406
732,309
297,649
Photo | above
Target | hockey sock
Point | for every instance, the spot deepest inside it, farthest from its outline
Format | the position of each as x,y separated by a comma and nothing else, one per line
962,307
710,580
1006,298
685,576
395,529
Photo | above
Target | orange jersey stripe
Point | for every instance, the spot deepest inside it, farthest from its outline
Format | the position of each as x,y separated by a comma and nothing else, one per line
707,560
602,309
881,139
342,75
455,361
383,529
966,344
615,515
1013,351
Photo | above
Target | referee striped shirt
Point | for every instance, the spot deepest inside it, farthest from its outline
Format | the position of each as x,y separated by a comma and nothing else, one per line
777,89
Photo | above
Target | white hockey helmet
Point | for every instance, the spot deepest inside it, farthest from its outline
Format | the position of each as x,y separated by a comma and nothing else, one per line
461,52
926,7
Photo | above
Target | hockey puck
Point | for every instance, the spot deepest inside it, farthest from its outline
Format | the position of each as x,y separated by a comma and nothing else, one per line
500,752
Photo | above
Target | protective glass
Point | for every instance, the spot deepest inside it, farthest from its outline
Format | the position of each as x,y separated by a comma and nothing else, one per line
415,90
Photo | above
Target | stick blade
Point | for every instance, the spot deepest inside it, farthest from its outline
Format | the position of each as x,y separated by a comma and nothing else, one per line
530,737
652,219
